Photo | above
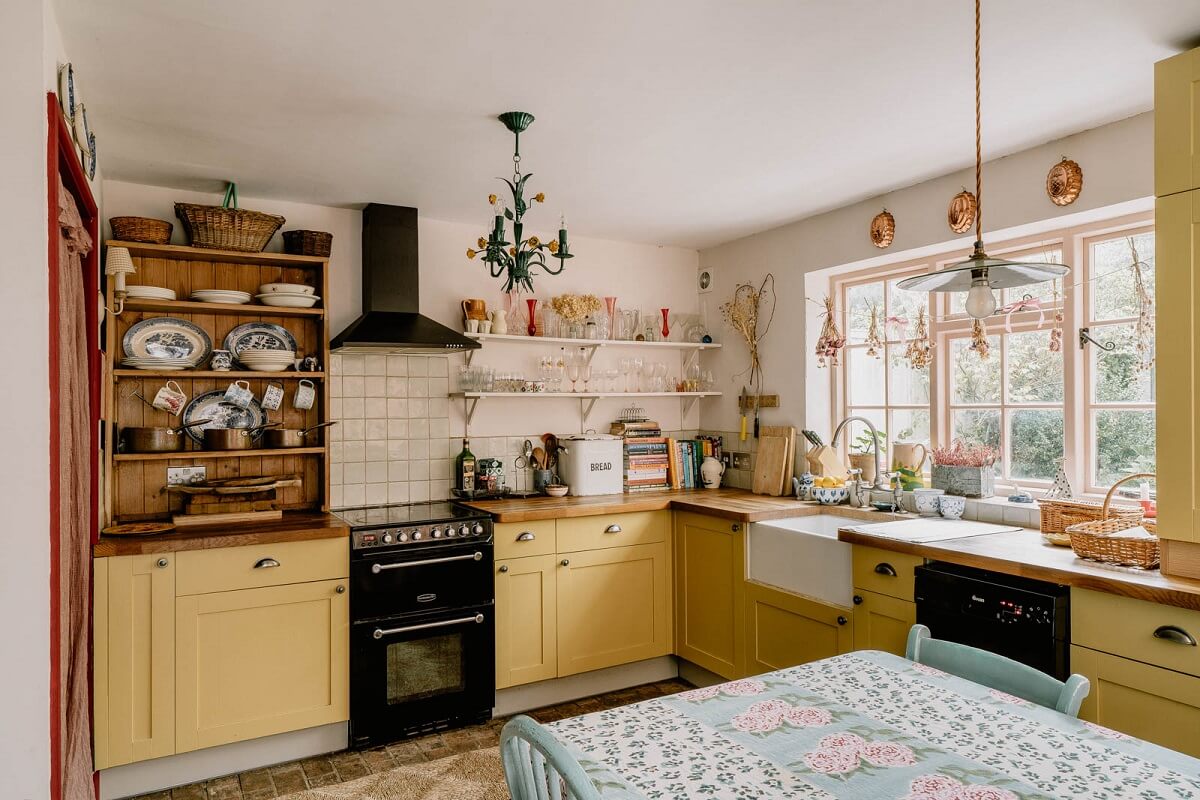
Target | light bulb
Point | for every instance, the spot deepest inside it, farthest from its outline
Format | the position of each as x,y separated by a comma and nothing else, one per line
981,302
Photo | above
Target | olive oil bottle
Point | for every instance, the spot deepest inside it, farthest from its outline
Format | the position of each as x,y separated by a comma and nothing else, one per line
464,469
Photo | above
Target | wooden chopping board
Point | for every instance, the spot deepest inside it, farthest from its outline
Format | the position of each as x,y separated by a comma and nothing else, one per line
789,468
770,465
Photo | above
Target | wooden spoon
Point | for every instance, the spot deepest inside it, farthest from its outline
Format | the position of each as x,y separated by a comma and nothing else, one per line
539,458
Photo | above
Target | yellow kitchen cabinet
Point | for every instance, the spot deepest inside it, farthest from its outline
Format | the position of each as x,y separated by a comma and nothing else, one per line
710,572
134,659
882,622
1177,124
526,628
783,630
255,662
614,607
1151,703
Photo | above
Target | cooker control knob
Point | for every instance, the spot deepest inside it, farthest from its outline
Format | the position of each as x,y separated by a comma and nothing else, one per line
464,531
401,537
387,538
436,533
477,530
416,536
450,532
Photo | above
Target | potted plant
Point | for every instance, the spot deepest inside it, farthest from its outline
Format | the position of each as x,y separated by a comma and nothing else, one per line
967,470
861,456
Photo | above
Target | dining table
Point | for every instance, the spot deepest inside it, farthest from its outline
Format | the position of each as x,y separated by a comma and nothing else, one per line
865,725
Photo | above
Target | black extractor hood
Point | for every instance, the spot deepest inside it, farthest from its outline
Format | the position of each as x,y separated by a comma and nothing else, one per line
391,320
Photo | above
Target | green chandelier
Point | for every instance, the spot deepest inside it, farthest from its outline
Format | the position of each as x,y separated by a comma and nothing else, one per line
517,258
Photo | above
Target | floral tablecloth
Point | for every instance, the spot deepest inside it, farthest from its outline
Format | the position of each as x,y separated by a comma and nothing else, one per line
865,726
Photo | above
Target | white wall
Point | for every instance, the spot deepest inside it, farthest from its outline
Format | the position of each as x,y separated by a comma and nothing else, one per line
1117,162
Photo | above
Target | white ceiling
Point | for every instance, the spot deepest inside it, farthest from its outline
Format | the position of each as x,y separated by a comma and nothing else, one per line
688,122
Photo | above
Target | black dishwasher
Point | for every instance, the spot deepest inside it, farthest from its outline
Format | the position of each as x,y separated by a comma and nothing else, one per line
1021,618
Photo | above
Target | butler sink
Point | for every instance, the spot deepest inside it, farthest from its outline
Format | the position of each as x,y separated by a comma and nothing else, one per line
803,556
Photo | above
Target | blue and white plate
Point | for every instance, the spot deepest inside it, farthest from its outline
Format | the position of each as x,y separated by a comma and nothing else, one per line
167,337
259,336
212,406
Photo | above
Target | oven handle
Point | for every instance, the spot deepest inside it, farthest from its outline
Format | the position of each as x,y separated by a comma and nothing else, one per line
382,632
378,568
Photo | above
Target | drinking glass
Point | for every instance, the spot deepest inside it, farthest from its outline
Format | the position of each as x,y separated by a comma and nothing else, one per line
585,373
635,366
573,365
647,376
610,380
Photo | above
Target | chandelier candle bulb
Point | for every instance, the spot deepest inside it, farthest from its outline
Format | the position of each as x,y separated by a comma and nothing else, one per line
562,233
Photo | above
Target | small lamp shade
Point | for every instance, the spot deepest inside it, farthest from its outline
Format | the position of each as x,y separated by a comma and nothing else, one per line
118,262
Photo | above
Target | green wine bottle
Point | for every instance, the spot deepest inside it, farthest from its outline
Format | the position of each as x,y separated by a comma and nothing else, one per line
464,469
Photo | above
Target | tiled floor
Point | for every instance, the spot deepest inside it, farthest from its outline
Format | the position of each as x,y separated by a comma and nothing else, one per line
271,782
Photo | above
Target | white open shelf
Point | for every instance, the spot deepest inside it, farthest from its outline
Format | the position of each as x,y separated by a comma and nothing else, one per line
587,400
592,345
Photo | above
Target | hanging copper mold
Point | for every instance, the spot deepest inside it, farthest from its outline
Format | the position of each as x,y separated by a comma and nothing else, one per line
1064,182
960,214
883,229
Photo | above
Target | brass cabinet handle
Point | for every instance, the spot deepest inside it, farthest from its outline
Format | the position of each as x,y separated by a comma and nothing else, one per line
858,599
613,529
842,620
527,536
884,568
340,589
1173,633
162,562
504,567
566,562
266,563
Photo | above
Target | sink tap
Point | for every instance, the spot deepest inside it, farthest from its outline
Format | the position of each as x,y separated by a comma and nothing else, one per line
837,433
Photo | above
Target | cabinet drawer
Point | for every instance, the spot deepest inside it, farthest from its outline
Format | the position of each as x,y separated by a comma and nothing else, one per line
1127,627
613,530
518,539
227,568
884,571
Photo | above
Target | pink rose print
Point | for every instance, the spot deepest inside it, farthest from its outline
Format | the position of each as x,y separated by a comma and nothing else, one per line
1107,733
928,670
770,707
743,688
753,722
696,695
808,717
851,741
934,787
832,760
887,754
980,792
1012,699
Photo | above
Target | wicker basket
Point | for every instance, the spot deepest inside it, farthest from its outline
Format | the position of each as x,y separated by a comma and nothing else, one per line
227,227
307,243
1058,515
1100,540
141,229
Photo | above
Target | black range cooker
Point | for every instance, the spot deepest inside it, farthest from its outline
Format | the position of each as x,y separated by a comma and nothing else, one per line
422,623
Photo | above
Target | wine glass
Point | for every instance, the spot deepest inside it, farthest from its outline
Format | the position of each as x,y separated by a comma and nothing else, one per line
585,374
635,365
572,364
610,379
647,376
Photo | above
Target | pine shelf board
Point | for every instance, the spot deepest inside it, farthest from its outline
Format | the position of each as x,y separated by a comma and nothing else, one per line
232,374
220,309
185,455
177,252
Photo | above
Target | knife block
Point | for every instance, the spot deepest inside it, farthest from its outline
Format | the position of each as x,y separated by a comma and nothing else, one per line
824,460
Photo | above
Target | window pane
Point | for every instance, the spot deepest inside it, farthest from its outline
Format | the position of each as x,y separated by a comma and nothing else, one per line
1113,294
904,305
910,425
856,434
974,379
1043,291
976,427
865,377
1035,439
1035,375
1124,444
859,300
1115,377
907,386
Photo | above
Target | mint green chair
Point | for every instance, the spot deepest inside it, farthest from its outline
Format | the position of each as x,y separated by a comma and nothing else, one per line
538,767
997,672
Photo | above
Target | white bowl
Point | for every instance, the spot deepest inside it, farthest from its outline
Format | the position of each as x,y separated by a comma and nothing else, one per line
286,288
286,358
267,367
288,300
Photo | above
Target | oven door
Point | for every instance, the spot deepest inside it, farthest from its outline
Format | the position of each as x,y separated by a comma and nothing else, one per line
419,581
421,672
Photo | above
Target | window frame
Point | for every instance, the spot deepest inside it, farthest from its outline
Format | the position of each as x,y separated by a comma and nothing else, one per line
1079,434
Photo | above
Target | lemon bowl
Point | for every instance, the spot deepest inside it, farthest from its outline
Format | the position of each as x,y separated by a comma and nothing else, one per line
830,496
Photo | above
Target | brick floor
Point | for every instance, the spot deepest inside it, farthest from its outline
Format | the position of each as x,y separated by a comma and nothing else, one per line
271,782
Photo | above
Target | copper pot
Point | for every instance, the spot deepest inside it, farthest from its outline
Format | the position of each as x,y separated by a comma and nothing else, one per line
292,437
155,439
233,438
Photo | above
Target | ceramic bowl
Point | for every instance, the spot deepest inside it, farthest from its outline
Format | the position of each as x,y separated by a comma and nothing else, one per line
287,288
925,501
556,489
951,506
830,496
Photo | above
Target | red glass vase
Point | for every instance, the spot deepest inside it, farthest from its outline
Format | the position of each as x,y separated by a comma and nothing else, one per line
666,331
532,303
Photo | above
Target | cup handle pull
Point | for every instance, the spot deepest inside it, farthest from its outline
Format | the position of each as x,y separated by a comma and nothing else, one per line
884,568
266,563
1173,633
527,536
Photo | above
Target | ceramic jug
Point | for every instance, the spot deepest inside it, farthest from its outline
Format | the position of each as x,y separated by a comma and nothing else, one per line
711,471
904,454
499,322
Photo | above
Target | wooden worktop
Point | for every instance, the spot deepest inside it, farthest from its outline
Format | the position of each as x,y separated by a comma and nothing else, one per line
294,527
1024,553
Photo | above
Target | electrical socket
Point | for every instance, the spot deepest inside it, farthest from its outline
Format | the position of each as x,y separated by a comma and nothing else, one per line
741,460
727,460
183,476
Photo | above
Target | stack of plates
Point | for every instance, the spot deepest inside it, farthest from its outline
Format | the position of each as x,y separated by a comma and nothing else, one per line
292,295
150,362
150,293
267,360
230,296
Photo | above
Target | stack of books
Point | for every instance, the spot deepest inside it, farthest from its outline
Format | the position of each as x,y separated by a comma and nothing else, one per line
646,455
686,456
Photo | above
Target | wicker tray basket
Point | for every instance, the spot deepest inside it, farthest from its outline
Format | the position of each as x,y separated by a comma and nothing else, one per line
1058,515
307,243
227,227
1100,540
141,229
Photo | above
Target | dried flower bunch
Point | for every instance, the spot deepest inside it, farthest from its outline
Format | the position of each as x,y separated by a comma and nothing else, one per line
979,342
742,314
961,454
873,341
1056,332
1143,330
919,351
831,340
575,307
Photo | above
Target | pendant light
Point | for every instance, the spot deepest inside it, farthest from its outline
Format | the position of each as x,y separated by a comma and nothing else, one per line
980,274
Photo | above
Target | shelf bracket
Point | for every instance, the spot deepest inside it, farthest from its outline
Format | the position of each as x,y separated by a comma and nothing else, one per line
471,355
690,359
688,404
469,404
586,404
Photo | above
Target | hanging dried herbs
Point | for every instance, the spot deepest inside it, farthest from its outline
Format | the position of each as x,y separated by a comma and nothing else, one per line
1143,328
831,340
1056,332
919,350
743,314
873,341
979,342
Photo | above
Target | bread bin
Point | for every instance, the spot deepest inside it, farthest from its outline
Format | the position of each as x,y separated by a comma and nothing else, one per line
590,463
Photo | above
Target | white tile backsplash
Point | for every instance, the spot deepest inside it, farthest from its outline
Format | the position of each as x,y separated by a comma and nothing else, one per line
375,365
397,365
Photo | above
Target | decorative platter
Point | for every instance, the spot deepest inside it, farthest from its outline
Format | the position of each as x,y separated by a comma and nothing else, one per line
138,529
259,336
883,229
960,215
212,405
1064,182
167,337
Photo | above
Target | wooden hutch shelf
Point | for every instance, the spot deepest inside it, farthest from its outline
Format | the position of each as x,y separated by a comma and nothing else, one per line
192,455
176,252
231,374
193,307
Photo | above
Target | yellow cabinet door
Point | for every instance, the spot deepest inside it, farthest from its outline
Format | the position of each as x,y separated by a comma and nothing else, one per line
255,662
882,622
614,607
526,644
710,576
1177,124
783,630
1148,702
134,659
1177,255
